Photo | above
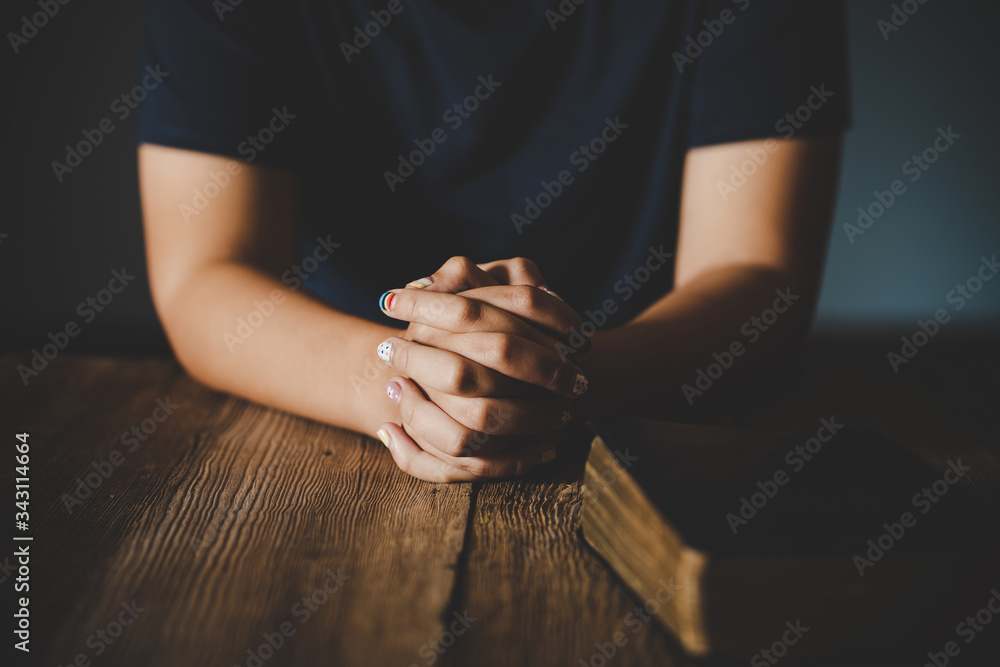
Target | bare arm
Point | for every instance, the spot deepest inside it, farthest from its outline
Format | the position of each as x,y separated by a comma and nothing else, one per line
484,375
760,248
208,272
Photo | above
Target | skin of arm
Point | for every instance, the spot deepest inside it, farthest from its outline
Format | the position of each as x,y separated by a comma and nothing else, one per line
758,249
309,359
317,362
305,357
734,256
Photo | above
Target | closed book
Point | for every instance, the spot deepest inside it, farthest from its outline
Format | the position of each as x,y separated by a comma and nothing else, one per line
832,540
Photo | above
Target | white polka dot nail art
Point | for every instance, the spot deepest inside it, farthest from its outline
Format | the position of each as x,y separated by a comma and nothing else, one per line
580,385
385,352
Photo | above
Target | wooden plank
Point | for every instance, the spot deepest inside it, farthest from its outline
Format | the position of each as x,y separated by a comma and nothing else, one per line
540,595
75,412
219,525
229,513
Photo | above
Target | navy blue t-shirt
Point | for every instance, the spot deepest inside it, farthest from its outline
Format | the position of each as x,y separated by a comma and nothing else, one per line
422,129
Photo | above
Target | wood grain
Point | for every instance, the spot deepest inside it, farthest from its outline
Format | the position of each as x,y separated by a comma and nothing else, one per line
229,513
220,524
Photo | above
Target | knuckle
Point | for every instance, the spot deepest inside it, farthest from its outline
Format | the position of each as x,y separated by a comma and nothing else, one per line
500,419
459,264
460,443
501,350
477,415
462,380
468,313
524,264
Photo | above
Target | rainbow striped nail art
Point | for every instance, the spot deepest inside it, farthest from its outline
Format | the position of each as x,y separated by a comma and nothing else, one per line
385,301
385,352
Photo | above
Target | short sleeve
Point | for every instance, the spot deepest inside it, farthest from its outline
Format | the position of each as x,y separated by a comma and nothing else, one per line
768,68
224,81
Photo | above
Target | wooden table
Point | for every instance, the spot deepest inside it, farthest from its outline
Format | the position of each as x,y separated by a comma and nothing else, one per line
226,527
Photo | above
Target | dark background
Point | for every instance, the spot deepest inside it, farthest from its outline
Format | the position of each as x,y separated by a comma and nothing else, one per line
939,70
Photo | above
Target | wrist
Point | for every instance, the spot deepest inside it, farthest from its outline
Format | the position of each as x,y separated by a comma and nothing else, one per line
365,383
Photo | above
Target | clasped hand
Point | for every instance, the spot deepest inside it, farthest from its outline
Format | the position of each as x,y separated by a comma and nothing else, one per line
484,379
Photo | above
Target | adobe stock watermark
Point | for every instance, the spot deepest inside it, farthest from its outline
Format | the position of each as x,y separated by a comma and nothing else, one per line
249,148
581,158
752,329
915,168
899,17
636,621
779,649
32,23
433,649
797,457
788,125
968,629
293,277
963,293
121,107
303,610
454,116
627,287
88,310
381,19
89,481
696,44
924,500
562,12
6,569
223,7
103,638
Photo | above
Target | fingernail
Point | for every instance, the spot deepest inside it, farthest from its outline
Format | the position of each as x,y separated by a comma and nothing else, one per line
394,391
384,436
548,455
580,385
548,291
567,414
385,352
422,283
385,301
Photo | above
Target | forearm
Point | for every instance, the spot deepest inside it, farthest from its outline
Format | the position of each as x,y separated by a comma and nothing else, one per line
727,323
303,356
